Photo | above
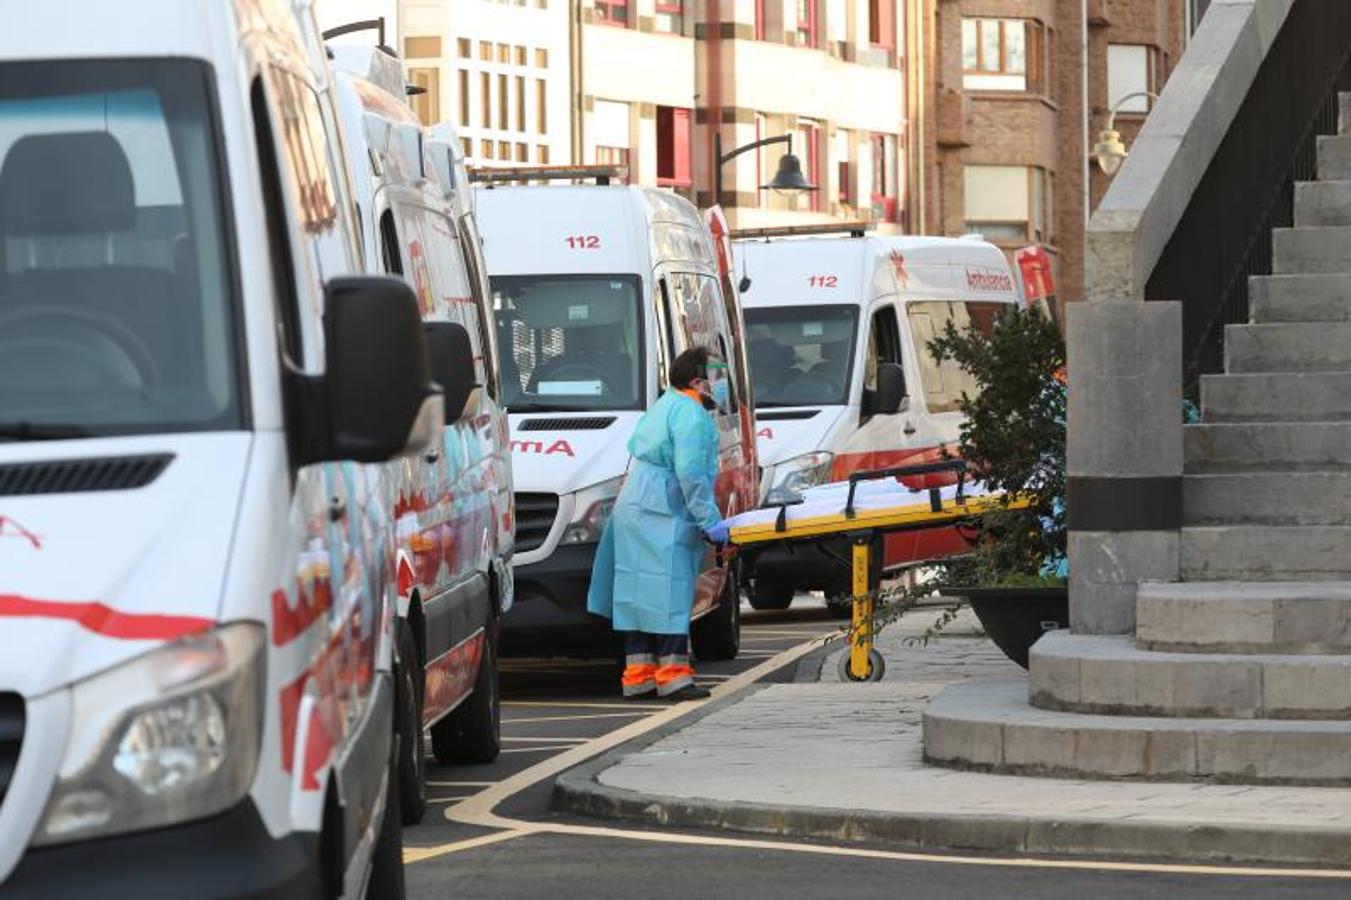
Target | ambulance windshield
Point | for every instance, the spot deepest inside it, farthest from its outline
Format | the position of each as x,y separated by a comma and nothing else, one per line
116,289
569,342
801,355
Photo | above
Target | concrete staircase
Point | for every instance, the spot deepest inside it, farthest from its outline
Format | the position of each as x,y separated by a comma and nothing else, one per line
1241,672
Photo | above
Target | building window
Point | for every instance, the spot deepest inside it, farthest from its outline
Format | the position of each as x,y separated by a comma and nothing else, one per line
844,173
463,44
1000,54
1009,204
520,103
670,16
807,144
486,99
673,147
541,58
522,153
612,156
504,151
467,146
885,183
520,56
806,23
464,97
541,106
759,20
613,12
427,104
485,51
504,53
542,154
1130,70
610,130
882,23
422,47
485,149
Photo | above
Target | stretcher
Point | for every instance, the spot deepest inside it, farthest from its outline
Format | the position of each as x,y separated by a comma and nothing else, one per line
870,505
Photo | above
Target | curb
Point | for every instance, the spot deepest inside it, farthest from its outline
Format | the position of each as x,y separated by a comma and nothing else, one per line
579,791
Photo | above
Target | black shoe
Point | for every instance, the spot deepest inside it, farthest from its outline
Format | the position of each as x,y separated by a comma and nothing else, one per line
649,694
688,692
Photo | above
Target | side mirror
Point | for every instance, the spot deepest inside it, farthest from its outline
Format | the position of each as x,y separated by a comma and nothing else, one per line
452,361
890,391
378,387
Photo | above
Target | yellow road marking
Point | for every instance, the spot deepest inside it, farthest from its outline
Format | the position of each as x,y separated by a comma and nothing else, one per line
636,712
539,749
418,854
540,704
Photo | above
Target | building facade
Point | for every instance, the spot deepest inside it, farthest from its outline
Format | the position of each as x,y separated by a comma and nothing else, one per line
1009,128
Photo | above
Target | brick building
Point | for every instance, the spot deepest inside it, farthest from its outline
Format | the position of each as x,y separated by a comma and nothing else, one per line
1006,131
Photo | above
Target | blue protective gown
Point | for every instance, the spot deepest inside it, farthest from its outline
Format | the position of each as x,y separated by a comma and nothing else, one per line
651,550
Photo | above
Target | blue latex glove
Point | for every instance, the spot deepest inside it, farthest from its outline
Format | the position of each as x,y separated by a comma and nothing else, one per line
718,533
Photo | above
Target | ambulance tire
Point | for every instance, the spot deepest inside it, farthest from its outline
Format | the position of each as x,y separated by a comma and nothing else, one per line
412,768
472,733
386,881
771,594
717,636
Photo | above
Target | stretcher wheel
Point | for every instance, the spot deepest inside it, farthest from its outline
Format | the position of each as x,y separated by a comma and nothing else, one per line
877,667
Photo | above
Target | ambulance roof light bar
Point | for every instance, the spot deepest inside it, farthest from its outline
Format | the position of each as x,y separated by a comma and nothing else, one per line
515,174
853,229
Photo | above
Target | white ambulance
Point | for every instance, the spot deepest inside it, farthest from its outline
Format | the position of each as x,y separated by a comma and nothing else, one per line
453,513
198,406
596,288
838,328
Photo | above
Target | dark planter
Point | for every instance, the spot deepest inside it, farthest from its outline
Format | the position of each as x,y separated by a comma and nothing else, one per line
1016,617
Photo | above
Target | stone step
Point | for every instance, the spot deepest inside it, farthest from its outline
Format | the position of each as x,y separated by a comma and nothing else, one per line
1267,446
1265,553
1286,617
1266,498
989,725
1110,675
1299,298
1288,347
1276,397
1311,250
1322,203
1334,157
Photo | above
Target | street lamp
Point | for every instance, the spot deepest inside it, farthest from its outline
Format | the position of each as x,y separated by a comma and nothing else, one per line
1110,151
788,179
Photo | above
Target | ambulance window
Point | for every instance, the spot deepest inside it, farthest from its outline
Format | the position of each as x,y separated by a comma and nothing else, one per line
801,355
884,343
389,245
478,290
946,382
279,244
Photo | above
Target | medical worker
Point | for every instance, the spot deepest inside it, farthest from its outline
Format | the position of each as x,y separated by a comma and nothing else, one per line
653,546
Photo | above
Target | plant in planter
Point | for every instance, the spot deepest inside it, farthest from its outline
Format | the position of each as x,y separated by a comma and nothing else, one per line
1013,438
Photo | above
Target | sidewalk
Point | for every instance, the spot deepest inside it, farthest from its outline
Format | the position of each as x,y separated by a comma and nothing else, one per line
844,762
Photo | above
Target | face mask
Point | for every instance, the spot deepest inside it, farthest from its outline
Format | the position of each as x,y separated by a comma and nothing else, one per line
722,393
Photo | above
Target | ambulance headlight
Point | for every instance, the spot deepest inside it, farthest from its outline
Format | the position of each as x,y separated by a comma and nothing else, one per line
591,509
168,737
793,476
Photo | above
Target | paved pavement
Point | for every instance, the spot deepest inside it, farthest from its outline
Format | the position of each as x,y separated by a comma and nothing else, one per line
833,760
497,831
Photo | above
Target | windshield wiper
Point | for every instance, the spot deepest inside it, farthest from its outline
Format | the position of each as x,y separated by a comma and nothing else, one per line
41,431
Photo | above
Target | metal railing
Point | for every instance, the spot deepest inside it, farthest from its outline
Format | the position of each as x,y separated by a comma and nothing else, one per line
1225,235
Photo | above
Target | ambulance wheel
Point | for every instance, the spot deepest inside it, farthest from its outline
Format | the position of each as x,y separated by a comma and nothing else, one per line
412,768
771,594
877,667
717,636
472,733
386,881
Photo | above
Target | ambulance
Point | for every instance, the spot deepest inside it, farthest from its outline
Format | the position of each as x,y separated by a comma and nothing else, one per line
596,289
453,503
200,407
838,325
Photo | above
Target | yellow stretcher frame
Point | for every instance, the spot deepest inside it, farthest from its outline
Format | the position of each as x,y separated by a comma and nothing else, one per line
865,528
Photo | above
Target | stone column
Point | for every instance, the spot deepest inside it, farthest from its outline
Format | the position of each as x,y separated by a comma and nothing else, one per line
1124,501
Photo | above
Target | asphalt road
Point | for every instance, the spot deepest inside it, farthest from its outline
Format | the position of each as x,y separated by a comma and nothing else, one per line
551,707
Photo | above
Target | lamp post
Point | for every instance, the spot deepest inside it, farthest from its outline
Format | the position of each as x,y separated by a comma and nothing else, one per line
1110,151
788,178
